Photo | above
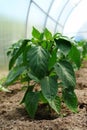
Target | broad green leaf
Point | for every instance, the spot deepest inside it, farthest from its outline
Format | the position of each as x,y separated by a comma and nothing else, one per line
44,44
27,48
14,48
28,90
42,99
18,53
66,73
70,99
32,77
74,55
47,45
14,74
49,88
64,45
31,103
38,61
19,60
35,33
52,59
56,104
47,34
57,35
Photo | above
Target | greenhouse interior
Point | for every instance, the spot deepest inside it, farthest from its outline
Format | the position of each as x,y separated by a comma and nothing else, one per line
43,65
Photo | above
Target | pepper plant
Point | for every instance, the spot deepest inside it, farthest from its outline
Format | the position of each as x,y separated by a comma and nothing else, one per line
82,46
46,61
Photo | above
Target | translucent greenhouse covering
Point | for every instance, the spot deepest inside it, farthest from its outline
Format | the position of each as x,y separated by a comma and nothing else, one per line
19,16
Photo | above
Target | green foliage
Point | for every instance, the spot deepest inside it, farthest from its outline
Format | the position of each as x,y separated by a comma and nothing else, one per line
82,47
49,88
37,59
65,73
2,88
46,60
31,102
14,74
70,99
64,45
75,56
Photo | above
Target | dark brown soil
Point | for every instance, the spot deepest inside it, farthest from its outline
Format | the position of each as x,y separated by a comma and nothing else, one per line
13,116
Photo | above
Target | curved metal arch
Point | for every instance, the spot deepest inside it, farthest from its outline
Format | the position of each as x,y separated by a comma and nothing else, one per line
70,13
27,17
45,12
48,13
60,14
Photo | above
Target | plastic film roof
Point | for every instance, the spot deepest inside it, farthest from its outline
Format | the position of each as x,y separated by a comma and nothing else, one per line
52,14
65,16
17,18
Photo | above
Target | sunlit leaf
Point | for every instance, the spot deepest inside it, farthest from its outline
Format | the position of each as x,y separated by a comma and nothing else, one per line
63,45
18,53
35,33
14,74
52,59
42,99
66,73
74,55
32,77
49,88
70,99
38,61
56,104
47,34
31,103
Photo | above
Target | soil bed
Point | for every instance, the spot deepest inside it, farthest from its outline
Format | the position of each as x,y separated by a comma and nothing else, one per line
13,116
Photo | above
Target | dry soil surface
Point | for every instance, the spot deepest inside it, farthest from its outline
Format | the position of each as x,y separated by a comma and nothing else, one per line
13,116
